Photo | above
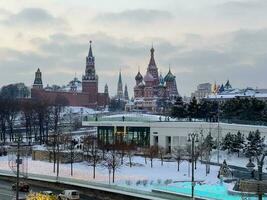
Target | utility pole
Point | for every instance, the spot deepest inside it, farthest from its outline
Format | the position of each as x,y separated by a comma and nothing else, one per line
18,162
57,156
193,137
218,136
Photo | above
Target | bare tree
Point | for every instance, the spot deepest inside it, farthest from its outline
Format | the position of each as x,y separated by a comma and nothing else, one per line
58,106
112,162
42,111
27,109
145,152
88,143
130,150
121,147
95,157
12,112
3,118
178,154
162,152
69,143
152,153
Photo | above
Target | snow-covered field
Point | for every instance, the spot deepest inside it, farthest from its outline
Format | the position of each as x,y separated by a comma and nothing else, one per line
140,172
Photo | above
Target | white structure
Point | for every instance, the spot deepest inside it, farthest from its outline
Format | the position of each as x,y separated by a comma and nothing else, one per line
172,134
226,92
203,90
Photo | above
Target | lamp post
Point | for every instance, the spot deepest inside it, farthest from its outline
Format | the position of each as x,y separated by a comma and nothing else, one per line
192,137
250,166
18,162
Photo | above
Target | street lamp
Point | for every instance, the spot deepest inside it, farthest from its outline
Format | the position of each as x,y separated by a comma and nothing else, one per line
18,140
192,137
250,166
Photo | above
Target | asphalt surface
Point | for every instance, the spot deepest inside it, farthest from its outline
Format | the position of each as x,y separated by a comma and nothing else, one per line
6,193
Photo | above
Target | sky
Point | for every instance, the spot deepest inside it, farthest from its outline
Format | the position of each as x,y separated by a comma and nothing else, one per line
200,41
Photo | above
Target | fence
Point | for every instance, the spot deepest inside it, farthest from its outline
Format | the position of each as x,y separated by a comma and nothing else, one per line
98,186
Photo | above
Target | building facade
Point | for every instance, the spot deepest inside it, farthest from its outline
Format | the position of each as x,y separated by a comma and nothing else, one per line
86,95
203,90
226,92
165,134
152,92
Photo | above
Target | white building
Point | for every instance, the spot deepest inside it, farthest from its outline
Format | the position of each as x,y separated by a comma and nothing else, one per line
167,134
203,90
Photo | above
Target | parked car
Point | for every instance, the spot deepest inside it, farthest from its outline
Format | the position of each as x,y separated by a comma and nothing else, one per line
69,195
50,193
23,186
20,198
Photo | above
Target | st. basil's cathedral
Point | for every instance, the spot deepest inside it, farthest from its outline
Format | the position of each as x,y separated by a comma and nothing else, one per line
153,92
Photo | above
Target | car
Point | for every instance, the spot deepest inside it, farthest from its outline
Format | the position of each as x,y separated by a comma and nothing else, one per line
69,195
23,187
20,198
50,193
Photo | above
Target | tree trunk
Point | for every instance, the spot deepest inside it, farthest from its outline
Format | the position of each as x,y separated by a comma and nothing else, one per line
113,175
122,155
151,163
94,171
57,160
130,160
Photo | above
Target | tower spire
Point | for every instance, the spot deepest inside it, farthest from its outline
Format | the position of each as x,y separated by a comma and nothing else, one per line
126,95
152,59
120,81
119,87
38,83
90,54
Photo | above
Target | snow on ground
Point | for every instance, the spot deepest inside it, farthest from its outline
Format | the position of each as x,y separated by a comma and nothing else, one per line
139,116
125,173
84,110
233,159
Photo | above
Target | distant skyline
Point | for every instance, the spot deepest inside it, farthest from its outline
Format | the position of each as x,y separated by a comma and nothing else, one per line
202,41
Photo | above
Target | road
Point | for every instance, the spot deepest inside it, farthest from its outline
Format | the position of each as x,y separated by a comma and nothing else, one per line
7,194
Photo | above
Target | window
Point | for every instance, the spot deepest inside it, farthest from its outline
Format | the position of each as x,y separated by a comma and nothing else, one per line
169,140
156,140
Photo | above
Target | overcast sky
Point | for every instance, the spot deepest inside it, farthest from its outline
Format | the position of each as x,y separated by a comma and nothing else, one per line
202,41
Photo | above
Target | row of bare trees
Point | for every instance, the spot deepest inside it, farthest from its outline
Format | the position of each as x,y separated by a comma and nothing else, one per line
37,117
182,153
108,156
113,156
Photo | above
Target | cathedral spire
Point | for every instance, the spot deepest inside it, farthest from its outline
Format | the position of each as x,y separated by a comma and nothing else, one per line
152,59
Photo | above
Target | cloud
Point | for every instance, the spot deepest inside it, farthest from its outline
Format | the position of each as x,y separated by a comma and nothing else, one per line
137,16
33,17
244,8
241,58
